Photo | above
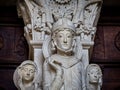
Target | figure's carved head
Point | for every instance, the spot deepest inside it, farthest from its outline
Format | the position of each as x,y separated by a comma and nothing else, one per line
94,74
27,70
63,34
25,75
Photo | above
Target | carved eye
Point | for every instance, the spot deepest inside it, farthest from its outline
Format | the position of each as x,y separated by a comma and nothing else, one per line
25,69
69,36
60,36
98,73
32,71
91,73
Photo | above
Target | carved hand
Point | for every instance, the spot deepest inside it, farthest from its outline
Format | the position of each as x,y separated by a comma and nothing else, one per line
57,66
58,80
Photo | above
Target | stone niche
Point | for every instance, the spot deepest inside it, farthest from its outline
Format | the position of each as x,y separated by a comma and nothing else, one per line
60,35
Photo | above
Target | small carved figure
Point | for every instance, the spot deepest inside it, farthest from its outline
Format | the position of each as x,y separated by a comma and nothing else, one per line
63,70
94,77
25,76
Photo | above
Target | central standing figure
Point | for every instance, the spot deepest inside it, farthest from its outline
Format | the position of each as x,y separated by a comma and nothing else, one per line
63,70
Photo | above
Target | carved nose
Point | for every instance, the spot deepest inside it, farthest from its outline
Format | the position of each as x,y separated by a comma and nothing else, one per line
65,40
28,73
95,76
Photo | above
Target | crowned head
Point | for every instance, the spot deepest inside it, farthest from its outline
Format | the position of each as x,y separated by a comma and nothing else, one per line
63,34
63,23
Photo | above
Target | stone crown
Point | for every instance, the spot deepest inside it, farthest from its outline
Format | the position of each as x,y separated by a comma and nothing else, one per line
63,23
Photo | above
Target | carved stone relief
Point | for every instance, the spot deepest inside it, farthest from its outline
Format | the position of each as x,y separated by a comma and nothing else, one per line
60,34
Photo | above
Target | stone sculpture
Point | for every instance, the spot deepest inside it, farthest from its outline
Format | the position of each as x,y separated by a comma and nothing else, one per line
64,62
94,77
60,35
25,76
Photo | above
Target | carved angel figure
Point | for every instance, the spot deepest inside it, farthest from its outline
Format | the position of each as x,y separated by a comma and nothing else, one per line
94,77
63,70
25,76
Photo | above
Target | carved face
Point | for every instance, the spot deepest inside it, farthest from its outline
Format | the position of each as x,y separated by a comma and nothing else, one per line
94,75
64,39
28,72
